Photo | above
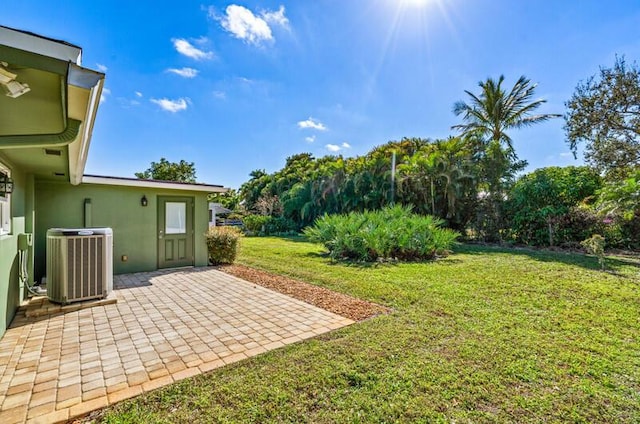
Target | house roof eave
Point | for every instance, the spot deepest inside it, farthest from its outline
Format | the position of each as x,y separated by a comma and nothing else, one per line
136,182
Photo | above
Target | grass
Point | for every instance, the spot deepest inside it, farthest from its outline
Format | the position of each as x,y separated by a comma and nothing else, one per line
484,335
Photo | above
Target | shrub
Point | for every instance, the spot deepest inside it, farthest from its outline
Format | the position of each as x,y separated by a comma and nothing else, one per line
576,225
222,244
539,203
256,224
390,233
595,246
263,225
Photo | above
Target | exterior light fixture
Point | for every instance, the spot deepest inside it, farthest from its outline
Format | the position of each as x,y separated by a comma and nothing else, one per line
6,185
144,201
12,87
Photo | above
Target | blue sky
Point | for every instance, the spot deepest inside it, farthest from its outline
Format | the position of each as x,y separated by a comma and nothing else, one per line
238,86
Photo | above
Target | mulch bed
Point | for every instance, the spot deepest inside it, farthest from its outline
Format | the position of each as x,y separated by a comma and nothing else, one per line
338,303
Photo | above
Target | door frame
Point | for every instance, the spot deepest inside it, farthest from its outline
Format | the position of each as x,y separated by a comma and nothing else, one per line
190,216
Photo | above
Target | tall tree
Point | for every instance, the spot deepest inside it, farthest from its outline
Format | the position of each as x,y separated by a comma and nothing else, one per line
487,117
254,188
164,170
604,113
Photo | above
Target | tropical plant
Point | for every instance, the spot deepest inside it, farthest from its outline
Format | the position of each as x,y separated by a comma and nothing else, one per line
253,189
229,199
621,197
487,117
619,204
390,233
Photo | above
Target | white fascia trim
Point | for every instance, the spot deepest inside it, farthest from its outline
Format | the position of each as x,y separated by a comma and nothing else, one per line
153,184
76,165
40,45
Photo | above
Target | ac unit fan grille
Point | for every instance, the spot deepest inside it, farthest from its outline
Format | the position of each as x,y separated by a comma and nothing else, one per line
84,262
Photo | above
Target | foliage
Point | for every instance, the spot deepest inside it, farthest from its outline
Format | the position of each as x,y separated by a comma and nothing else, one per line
437,177
490,114
578,223
251,190
486,335
263,225
255,224
486,119
390,233
164,170
281,226
604,113
230,199
621,197
540,201
222,244
595,245
268,205
619,204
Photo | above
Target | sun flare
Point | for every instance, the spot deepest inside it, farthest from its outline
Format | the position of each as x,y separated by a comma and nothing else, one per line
414,3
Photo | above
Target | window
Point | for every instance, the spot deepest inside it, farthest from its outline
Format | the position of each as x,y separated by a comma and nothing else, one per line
175,213
5,205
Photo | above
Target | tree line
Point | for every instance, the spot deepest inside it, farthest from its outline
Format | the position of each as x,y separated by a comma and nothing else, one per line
472,179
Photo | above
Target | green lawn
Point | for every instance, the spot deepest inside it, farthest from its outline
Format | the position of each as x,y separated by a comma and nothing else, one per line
484,335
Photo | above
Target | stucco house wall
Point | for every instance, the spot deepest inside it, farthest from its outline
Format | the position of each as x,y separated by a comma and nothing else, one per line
11,291
45,134
135,227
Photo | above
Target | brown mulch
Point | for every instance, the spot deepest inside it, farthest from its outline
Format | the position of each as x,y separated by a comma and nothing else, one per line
338,303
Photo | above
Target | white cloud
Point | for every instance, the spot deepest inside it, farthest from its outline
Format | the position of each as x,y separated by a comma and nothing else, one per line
336,148
310,139
201,40
312,124
276,18
187,49
246,81
128,103
220,95
243,24
138,94
251,28
101,67
104,94
184,72
566,155
172,106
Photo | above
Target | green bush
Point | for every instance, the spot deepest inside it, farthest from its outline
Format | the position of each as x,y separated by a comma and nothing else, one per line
280,226
263,225
539,204
256,224
222,244
595,246
390,233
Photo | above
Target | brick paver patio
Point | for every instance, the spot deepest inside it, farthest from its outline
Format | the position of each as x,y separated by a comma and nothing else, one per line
165,326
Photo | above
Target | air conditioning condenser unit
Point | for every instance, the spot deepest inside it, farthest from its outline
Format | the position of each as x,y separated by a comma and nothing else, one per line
79,264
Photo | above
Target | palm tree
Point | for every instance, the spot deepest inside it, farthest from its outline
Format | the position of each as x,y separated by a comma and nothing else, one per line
486,119
489,115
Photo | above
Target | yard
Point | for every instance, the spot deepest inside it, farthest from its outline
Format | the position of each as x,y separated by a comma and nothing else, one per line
484,335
